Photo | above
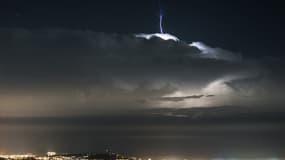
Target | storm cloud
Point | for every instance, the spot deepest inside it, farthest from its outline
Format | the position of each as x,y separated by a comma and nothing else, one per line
86,72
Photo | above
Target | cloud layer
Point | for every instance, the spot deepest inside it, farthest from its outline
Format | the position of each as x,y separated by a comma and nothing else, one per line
80,72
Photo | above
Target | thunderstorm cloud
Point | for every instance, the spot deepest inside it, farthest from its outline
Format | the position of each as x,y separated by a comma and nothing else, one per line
86,72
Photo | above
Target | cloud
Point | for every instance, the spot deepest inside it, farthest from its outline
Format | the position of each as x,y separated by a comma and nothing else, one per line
246,86
164,36
216,53
177,99
86,72
223,114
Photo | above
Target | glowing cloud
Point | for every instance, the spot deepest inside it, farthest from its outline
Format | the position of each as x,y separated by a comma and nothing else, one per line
215,53
163,36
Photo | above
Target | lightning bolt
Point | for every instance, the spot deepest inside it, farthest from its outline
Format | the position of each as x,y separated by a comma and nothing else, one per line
160,23
160,18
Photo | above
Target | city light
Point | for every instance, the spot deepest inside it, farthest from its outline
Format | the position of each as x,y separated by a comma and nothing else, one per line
49,154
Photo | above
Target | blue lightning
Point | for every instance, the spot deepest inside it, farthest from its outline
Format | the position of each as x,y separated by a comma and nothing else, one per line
160,23
160,18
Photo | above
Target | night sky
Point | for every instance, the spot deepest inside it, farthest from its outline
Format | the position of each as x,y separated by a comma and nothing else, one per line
84,76
251,27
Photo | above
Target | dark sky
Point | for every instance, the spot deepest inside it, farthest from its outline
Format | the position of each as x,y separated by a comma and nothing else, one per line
81,76
255,28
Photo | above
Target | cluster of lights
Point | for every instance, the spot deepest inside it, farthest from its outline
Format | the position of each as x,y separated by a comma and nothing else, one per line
18,156
49,154
55,157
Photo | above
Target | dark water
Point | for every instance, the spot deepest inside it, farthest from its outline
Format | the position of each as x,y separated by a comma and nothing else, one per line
152,139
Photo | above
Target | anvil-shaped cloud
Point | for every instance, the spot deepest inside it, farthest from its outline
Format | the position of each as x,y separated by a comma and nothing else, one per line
85,72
